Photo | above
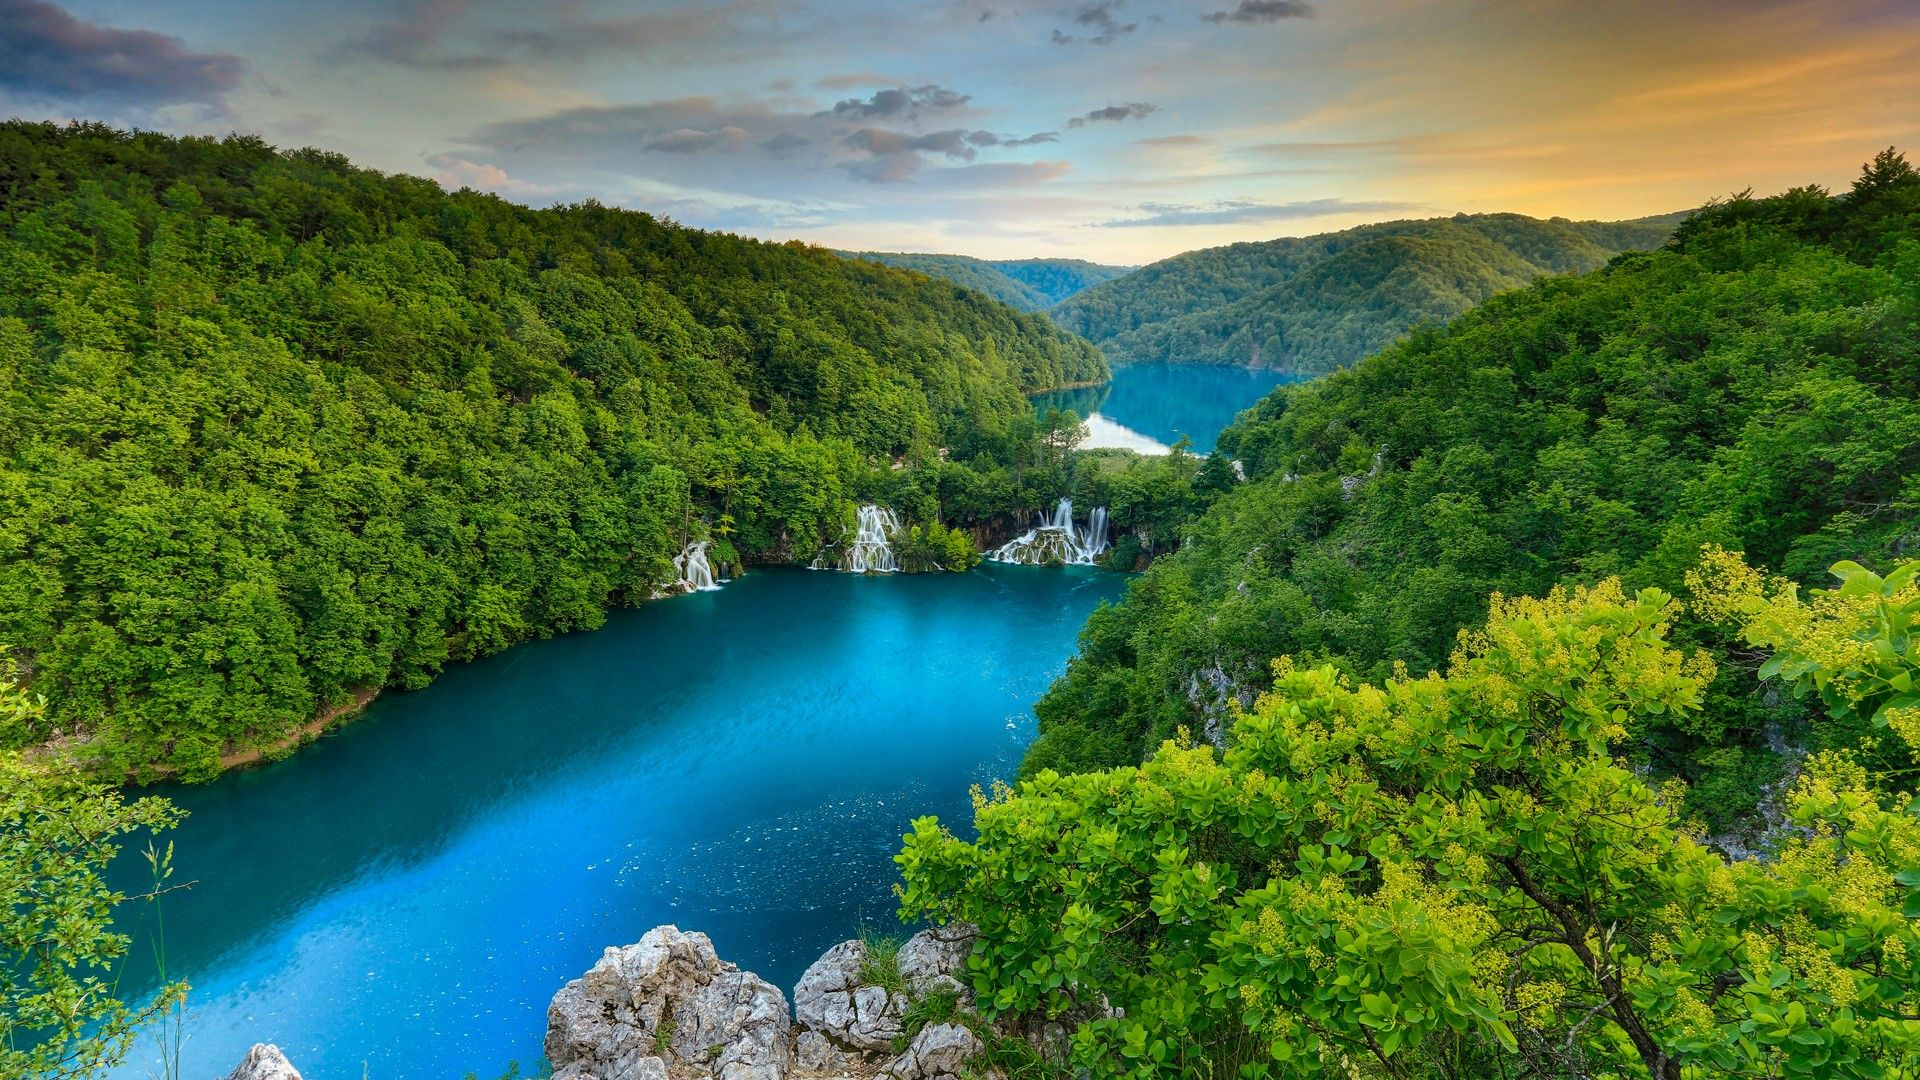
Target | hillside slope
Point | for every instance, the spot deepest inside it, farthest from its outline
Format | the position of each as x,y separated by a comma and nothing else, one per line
1755,384
1027,284
1315,303
274,429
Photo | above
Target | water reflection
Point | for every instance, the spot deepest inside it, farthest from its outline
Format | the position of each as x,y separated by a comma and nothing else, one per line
1148,407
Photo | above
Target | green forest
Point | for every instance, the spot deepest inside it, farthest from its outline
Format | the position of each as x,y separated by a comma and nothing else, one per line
1328,794
1432,742
1316,303
1026,284
275,430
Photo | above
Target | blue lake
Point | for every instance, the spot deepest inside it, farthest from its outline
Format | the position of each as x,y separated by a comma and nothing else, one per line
1148,407
403,898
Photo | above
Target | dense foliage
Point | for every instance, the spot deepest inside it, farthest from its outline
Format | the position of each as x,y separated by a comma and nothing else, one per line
1459,876
1027,284
60,1014
1755,384
1053,280
1311,304
274,429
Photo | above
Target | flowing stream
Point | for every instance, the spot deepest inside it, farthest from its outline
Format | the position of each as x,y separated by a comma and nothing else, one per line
402,899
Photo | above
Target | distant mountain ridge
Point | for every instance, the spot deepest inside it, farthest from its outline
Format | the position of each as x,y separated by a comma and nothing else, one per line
1315,303
1026,284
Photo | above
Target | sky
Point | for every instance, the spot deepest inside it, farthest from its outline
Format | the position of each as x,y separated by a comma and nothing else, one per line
1121,131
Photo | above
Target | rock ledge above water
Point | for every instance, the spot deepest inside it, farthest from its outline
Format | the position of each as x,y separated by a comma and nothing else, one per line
264,1062
668,1008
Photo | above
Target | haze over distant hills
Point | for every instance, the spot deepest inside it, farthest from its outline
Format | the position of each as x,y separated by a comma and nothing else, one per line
1027,284
1315,303
1305,304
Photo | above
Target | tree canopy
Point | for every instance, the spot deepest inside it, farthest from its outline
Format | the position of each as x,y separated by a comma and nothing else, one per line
1027,284
274,429
1315,303
1755,384
1459,875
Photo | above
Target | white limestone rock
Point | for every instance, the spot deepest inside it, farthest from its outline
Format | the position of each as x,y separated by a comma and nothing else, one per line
815,1053
830,999
668,1004
936,959
939,1052
265,1062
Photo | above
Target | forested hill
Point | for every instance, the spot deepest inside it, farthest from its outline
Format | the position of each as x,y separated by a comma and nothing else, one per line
1315,303
274,429
1027,284
1753,384
1650,813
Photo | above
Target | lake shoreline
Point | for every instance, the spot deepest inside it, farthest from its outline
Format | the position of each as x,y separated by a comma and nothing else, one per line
734,761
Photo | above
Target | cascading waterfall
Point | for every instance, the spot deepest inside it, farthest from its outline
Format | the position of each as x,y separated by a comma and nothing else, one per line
871,550
1056,540
696,573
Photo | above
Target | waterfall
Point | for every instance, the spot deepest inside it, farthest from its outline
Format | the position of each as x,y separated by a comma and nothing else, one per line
1056,540
871,550
696,574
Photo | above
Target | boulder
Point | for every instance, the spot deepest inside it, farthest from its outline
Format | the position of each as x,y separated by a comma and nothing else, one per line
939,1052
265,1062
936,959
815,1053
668,1004
831,1000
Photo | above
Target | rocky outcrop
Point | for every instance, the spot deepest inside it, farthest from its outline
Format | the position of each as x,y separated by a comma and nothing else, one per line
815,1054
832,1002
936,959
265,1062
668,1006
939,1052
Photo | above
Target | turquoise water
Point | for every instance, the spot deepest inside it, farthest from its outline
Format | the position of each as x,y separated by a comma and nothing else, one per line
1147,407
405,896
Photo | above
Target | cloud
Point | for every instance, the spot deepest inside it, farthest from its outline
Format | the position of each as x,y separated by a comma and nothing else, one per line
998,174
1174,140
454,172
895,156
764,148
1263,11
901,103
852,79
692,141
429,34
1236,212
411,39
1132,110
1099,22
47,55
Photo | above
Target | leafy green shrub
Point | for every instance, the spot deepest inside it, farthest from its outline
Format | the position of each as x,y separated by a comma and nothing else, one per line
1459,874
61,1014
